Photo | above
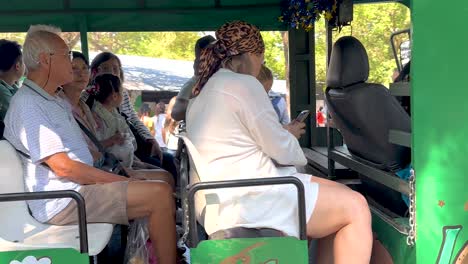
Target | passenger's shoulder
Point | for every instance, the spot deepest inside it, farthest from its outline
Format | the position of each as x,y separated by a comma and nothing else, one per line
242,83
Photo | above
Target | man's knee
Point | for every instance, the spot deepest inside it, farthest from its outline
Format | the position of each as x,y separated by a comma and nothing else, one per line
161,196
150,196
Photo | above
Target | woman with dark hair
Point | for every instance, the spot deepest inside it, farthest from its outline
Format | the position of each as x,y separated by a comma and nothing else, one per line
11,70
107,91
234,128
127,201
149,150
72,92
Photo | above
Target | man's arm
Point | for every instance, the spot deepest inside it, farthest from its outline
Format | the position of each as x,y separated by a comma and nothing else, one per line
79,172
180,106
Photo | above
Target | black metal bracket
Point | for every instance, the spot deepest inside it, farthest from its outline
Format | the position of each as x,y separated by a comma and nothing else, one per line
380,176
27,196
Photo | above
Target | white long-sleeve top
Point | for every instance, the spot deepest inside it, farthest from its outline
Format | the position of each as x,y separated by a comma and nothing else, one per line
236,131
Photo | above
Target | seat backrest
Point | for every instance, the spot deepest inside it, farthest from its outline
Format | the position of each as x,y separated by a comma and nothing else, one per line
15,219
11,169
2,127
364,112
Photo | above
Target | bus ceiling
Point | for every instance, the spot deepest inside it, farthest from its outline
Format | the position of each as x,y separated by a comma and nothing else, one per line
142,15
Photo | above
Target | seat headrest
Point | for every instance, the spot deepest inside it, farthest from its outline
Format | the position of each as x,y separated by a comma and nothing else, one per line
349,63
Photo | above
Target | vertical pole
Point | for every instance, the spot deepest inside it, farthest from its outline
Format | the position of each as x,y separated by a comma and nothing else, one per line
84,36
302,79
330,133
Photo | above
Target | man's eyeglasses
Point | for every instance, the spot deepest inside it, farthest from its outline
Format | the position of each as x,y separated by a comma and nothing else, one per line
69,54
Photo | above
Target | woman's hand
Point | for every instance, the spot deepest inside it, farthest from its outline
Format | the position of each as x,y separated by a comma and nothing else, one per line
296,128
117,139
155,149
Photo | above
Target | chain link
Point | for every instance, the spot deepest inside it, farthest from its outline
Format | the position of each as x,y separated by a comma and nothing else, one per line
186,221
410,240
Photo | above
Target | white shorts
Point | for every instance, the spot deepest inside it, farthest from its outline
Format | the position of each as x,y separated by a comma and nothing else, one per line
263,207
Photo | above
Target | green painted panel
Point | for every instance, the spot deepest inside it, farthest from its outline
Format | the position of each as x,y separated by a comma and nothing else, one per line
248,2
20,23
31,5
439,118
181,20
251,250
393,241
44,256
102,4
178,4
140,15
184,20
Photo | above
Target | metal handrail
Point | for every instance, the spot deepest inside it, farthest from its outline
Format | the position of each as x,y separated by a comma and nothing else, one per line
27,196
246,183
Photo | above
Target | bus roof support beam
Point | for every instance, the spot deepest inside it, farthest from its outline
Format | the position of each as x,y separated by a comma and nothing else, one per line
84,36
302,79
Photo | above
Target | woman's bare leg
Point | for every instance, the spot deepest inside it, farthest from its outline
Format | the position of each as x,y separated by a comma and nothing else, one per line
342,219
155,201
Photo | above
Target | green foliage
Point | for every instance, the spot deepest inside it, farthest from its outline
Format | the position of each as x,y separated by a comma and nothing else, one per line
373,24
18,37
274,53
169,45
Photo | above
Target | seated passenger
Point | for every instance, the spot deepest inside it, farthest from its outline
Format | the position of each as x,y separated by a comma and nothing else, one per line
11,70
158,121
279,104
265,77
107,92
144,114
41,125
170,130
148,150
180,106
84,115
235,129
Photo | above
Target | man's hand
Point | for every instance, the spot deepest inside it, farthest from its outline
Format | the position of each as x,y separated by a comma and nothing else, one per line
296,128
155,149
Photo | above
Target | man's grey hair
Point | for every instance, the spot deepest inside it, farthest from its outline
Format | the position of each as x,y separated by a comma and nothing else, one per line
38,40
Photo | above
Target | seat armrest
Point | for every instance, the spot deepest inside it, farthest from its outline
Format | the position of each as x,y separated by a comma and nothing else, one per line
27,196
245,183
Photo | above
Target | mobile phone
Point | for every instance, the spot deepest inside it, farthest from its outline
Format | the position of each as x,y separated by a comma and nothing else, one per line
302,116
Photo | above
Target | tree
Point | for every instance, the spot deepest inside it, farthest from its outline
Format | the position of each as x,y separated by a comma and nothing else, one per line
169,45
373,24
274,53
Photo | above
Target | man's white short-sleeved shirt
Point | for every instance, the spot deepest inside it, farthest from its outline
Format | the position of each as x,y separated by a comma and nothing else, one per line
41,125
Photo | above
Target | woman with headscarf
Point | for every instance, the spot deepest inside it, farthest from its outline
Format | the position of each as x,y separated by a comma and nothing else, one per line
236,134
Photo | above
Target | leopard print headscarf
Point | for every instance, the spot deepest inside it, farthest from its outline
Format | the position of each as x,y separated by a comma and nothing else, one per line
233,38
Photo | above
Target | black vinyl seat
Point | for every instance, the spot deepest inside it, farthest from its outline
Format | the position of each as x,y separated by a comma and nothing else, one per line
365,112
2,128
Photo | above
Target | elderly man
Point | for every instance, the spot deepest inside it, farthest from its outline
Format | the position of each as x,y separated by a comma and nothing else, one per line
41,124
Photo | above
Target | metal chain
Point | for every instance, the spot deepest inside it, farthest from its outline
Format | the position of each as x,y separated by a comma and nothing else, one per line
187,222
410,240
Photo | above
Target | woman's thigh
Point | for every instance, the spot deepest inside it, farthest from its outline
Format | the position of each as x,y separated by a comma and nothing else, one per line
335,207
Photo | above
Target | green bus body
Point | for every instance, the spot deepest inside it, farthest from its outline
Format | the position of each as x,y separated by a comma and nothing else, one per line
438,92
